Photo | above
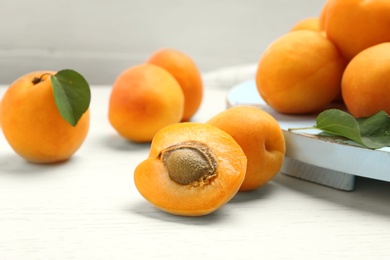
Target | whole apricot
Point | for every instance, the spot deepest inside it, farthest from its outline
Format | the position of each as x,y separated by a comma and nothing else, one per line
192,169
354,25
300,72
185,71
261,139
32,123
144,99
309,23
366,82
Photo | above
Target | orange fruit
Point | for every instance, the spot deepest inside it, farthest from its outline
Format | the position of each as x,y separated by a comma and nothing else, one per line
354,25
309,23
300,72
144,99
366,81
32,124
261,139
184,70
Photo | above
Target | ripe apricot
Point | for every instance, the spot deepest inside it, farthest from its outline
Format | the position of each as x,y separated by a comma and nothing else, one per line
322,16
144,99
261,139
309,23
192,169
32,124
366,82
354,25
300,72
185,71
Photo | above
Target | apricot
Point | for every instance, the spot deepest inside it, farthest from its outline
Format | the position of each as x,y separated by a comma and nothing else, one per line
192,169
309,23
261,139
185,71
322,16
354,25
366,82
144,99
300,72
32,124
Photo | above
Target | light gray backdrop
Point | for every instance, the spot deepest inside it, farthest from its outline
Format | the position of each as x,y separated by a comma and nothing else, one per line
100,38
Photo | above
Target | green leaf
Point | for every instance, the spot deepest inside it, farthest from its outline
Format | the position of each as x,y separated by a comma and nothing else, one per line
372,132
337,122
72,95
375,130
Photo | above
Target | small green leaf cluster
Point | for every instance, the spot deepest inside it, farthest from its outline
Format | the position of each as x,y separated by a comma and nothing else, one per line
372,132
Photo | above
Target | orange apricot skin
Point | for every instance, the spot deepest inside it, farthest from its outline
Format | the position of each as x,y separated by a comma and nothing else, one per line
366,82
32,124
300,73
309,23
185,71
261,139
155,185
354,25
144,99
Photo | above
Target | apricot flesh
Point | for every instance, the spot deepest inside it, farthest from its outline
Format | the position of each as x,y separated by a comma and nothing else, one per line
203,192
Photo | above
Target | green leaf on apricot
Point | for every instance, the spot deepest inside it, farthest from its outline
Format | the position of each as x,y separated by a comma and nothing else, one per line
72,94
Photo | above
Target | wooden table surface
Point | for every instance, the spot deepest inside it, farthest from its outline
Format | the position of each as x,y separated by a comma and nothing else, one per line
89,208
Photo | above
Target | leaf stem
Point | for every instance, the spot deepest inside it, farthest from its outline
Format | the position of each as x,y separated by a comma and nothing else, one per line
36,80
301,128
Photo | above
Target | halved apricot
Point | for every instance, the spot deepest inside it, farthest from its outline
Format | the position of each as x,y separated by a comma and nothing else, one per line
192,169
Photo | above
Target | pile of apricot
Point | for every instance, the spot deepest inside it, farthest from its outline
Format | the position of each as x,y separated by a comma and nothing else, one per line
164,90
194,169
341,55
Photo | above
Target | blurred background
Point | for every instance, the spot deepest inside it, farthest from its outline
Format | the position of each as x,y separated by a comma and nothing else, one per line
101,38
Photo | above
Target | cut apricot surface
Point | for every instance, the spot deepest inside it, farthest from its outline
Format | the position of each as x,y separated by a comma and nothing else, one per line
192,169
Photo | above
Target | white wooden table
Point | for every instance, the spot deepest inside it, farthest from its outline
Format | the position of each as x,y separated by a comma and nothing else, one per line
89,208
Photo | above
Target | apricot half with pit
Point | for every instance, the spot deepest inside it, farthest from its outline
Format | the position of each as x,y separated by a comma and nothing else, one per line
192,169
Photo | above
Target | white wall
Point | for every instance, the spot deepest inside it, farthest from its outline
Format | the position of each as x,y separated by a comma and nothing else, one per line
100,38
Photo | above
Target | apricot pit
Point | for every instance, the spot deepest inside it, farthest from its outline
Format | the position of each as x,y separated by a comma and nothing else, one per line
189,163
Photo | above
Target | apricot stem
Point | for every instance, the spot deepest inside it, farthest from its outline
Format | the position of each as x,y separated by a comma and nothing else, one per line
189,162
36,80
301,128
